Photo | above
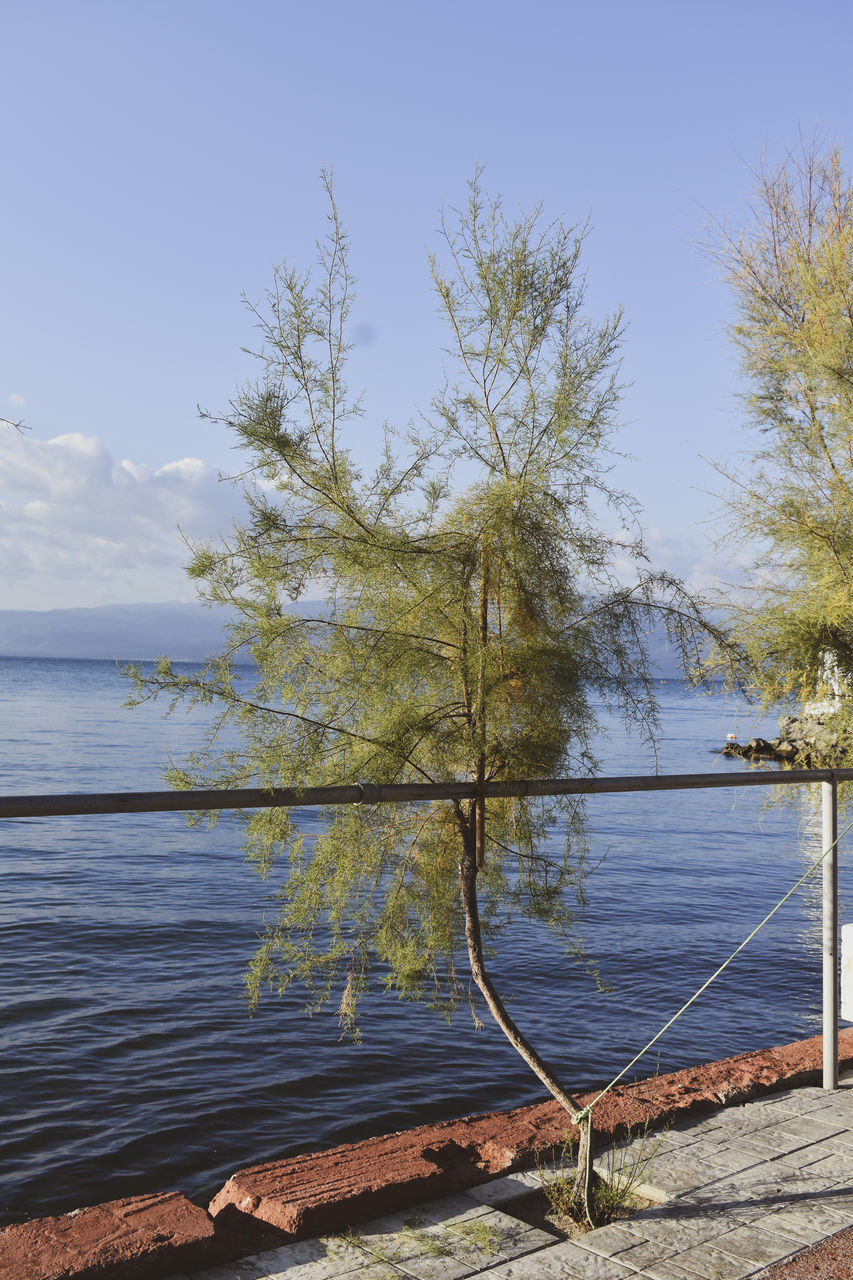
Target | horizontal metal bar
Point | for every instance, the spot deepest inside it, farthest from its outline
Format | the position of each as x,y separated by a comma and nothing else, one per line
38,806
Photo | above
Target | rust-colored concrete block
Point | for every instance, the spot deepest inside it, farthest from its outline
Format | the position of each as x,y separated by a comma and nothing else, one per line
311,1194
139,1238
153,1236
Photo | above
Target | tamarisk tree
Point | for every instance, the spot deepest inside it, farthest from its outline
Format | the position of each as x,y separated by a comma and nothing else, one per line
791,274
474,610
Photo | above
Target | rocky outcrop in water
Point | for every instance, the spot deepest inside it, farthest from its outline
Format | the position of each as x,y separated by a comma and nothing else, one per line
805,740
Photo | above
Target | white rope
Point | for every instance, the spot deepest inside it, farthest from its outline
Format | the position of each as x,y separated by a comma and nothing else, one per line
586,1113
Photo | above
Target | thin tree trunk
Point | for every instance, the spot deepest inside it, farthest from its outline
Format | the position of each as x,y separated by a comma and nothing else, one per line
473,858
519,1042
480,802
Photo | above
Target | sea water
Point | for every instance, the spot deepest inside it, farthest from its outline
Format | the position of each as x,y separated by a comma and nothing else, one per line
128,1062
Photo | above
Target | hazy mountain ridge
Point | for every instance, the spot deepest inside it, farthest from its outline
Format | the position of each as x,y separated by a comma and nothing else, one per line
135,632
121,632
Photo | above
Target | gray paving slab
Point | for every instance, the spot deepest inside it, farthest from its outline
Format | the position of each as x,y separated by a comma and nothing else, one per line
616,1238
500,1190
840,1197
753,1243
564,1261
669,1270
808,1223
456,1246
739,1189
707,1261
797,1101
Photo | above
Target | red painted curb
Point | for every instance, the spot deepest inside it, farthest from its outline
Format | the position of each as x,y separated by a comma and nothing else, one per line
312,1194
149,1237
139,1238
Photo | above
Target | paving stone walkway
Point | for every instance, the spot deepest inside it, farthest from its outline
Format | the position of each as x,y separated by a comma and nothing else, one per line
741,1189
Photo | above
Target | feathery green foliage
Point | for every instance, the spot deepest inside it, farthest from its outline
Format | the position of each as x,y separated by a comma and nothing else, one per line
475,610
791,273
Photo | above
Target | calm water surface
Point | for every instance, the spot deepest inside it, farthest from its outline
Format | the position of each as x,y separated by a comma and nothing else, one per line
127,1060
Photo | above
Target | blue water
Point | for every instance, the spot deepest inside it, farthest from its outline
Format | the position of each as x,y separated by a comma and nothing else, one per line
127,1060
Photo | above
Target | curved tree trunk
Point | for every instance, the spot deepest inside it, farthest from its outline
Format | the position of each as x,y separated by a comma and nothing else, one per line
476,960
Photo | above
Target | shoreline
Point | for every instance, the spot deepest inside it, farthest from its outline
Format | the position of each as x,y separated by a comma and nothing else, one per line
150,1237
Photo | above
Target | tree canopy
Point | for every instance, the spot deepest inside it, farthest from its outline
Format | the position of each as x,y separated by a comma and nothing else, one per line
476,609
791,273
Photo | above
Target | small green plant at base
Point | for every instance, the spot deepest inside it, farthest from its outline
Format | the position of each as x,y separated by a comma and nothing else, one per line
611,1191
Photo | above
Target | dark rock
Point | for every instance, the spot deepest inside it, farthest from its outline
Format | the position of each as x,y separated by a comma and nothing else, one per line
806,740
755,749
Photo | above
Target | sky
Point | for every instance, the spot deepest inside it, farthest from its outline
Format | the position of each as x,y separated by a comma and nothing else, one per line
158,159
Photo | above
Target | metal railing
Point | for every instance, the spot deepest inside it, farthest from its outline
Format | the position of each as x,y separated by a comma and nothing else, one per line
35,806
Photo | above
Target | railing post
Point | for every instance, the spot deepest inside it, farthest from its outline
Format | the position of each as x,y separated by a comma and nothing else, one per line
829,806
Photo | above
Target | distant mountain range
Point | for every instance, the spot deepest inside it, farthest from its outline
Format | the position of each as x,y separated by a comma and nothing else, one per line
133,632
124,632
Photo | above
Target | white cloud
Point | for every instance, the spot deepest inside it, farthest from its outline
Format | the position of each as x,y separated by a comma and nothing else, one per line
16,400
697,561
79,527
37,510
706,569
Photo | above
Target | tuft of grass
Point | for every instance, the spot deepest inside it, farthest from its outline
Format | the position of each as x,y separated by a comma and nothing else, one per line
477,1234
441,1243
434,1245
611,1192
379,1257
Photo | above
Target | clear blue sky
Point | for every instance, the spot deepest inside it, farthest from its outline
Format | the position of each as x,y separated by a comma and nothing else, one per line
157,158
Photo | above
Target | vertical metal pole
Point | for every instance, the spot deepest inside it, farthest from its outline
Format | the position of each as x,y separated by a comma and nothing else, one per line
829,805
